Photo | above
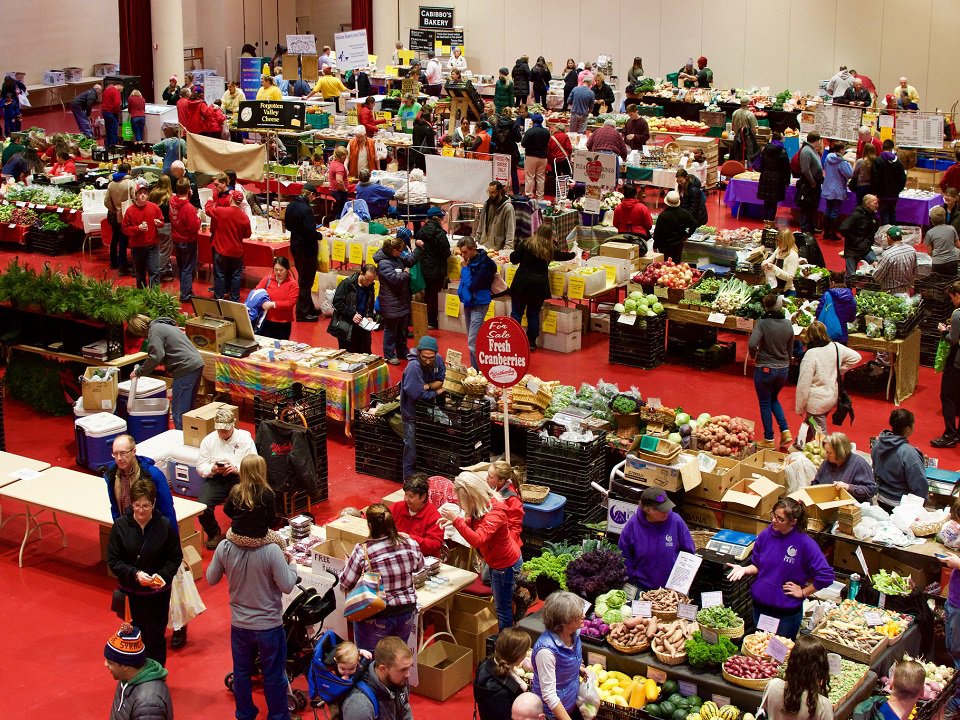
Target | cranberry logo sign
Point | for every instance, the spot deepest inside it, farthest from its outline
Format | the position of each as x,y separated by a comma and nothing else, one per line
503,352
594,169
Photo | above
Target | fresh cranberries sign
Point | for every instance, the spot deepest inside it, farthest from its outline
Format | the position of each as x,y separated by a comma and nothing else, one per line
595,168
503,352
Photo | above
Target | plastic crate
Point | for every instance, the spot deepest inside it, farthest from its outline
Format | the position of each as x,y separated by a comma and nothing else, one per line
643,328
870,377
691,333
318,120
933,288
715,356
293,503
304,406
811,289
644,362
862,282
53,243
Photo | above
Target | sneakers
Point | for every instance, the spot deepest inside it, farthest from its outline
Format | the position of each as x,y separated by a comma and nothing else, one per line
393,361
785,438
212,542
179,638
944,441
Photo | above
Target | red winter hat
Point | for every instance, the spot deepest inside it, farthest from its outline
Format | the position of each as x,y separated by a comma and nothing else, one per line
237,196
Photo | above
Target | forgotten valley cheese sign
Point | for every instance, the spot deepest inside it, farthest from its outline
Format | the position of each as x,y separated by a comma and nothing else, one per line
503,352
271,116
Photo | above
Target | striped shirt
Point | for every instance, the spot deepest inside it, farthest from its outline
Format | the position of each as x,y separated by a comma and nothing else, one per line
396,566
897,268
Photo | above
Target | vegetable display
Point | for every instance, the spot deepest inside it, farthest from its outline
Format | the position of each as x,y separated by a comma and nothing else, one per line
719,617
632,633
594,627
814,453
51,222
884,305
639,304
624,405
891,583
663,600
668,274
595,572
700,653
750,668
849,678
723,435
670,638
936,678
553,566
756,644
733,295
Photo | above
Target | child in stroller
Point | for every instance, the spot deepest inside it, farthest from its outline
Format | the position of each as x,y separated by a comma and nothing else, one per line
337,668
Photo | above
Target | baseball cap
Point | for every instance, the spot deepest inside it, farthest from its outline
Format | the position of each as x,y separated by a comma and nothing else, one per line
657,499
237,196
309,187
434,212
894,232
224,420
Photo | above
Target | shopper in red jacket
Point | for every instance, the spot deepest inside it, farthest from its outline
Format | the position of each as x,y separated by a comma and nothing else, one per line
951,178
504,479
137,107
417,517
486,527
111,107
232,228
140,223
212,120
631,215
559,151
366,117
184,226
282,289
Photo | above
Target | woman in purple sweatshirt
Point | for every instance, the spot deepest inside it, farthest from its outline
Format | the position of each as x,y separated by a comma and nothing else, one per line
789,566
652,539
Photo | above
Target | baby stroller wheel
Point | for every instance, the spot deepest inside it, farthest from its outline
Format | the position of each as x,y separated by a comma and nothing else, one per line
228,681
299,698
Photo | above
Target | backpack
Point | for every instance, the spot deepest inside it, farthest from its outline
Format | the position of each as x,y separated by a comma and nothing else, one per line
327,685
795,164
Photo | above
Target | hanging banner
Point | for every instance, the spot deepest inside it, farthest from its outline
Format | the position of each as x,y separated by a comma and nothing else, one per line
271,116
250,71
351,49
436,18
595,168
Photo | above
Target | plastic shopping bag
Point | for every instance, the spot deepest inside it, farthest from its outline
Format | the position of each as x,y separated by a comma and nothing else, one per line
588,698
943,352
185,601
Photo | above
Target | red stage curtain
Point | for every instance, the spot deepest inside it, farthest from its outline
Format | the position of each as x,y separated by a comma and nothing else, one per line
136,43
361,16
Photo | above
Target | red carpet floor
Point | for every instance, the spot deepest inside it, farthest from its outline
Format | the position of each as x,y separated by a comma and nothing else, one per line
54,611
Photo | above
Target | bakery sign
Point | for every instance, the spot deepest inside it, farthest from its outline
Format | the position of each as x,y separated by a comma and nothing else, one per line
595,168
436,18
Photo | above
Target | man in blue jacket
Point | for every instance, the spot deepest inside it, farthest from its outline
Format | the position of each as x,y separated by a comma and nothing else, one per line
422,380
476,276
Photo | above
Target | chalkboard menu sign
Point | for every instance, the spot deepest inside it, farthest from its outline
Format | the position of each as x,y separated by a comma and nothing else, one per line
449,38
421,40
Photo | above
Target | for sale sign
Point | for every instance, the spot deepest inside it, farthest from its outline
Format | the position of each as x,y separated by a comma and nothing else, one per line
503,352
595,168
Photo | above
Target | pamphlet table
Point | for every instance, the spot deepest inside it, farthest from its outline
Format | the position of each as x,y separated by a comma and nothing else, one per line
12,468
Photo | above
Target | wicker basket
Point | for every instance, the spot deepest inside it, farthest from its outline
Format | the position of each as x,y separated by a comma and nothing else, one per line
670,659
701,538
928,529
665,615
534,494
745,682
732,632
745,651
815,525
628,650
475,389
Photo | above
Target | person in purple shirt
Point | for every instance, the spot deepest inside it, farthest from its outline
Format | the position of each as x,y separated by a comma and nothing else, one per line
952,625
652,539
789,566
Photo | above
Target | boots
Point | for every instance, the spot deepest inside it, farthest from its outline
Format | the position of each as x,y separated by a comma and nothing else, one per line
785,438
830,228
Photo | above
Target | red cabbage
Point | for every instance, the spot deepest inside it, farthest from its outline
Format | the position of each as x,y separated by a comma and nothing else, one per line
596,572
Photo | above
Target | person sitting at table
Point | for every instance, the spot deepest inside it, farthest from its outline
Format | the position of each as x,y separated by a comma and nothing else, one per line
692,197
898,466
64,165
417,518
282,291
632,216
376,195
845,469
856,95
353,302
652,539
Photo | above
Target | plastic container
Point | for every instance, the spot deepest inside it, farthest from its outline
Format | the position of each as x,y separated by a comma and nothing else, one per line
147,388
545,515
148,418
95,435
175,460
79,412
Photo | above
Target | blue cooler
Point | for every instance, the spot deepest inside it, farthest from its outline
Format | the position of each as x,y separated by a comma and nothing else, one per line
545,515
95,435
147,388
176,460
147,418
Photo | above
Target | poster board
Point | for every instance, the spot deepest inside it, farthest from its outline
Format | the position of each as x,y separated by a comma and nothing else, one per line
458,179
595,168
302,44
436,18
839,122
421,40
310,68
445,40
250,71
290,68
213,87
351,49
919,130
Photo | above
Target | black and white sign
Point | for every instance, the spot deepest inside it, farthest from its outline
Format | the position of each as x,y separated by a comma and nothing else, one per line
270,116
421,40
919,130
449,38
839,122
436,18
302,44
351,49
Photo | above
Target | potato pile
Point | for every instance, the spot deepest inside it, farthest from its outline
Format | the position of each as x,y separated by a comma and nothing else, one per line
664,600
635,632
671,638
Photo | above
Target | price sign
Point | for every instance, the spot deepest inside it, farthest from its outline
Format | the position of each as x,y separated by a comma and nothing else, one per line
576,288
660,292
631,591
711,599
452,306
642,608
611,272
503,351
371,251
691,296
776,649
625,319
720,700
533,385
339,252
550,323
597,659
718,318
558,283
12,225
20,203
454,357
653,403
710,635
356,254
873,618
60,210
883,600
768,624
744,323
511,273
684,571
657,675
686,611
835,663
687,689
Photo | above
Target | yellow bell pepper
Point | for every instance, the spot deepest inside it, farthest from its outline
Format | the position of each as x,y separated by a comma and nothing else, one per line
652,691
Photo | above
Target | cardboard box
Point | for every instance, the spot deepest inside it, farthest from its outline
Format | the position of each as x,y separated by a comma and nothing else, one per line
760,458
197,424
192,557
741,523
753,496
823,502
451,322
684,474
350,530
568,318
331,555
622,268
73,74
105,69
708,515
54,77
845,559
100,395
473,619
626,251
714,483
600,322
443,668
561,342
210,333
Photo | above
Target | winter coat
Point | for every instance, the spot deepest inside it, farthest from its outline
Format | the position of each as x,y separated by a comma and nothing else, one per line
164,502
394,283
154,549
475,280
535,141
889,177
415,376
540,77
302,224
531,283
521,78
694,200
836,173
502,94
899,468
674,225
497,225
494,695
435,250
146,697
811,169
118,192
774,172
506,137
392,703
167,345
289,452
603,94
184,220
345,304
858,231
844,306
817,386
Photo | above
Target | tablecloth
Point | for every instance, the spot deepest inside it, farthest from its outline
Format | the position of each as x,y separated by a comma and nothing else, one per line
660,177
243,378
256,253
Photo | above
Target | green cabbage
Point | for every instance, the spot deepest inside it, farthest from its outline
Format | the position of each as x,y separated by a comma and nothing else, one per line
616,599
612,616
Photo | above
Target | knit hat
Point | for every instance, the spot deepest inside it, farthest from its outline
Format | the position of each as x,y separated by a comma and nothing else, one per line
672,199
224,420
537,119
434,212
894,232
404,234
656,498
126,647
702,61
237,196
428,343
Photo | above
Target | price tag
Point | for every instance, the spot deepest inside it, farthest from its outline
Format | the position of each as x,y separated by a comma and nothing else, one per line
625,319
339,252
657,675
20,203
12,225
549,323
718,318
558,283
661,292
691,295
654,403
684,571
371,251
686,611
452,306
356,254
768,624
533,385
511,272
873,618
489,312
710,635
883,601
60,210
744,323
642,608
576,288
631,591
687,689
454,357
72,211
835,663
597,659
24,474
720,700
711,599
776,649
611,272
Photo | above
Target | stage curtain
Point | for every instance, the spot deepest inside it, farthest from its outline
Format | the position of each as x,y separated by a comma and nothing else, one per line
361,16
136,43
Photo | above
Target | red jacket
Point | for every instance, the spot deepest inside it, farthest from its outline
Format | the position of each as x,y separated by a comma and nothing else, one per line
184,220
194,121
136,215
492,536
284,295
64,168
213,119
554,153
951,178
137,106
233,226
421,527
515,512
112,102
366,118
874,141
182,110
632,216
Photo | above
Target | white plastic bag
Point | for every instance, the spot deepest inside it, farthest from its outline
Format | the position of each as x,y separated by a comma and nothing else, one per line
348,224
185,600
799,471
588,697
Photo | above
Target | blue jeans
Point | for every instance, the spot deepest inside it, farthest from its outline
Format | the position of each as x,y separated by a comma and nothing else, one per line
271,648
502,583
112,124
184,393
368,633
532,308
952,637
83,121
789,625
186,254
833,209
475,315
395,337
768,383
146,265
409,447
227,272
851,263
139,123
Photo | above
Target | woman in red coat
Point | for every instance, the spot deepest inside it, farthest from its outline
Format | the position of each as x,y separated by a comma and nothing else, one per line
282,289
486,527
417,517
504,479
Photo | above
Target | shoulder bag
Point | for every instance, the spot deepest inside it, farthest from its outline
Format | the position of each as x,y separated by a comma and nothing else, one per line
844,403
366,599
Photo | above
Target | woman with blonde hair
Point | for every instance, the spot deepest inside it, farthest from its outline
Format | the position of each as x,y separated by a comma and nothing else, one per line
137,107
486,527
160,195
505,480
817,391
531,284
558,656
498,681
252,506
781,265
845,469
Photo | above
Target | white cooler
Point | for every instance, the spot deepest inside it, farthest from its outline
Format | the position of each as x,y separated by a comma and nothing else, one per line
176,460
148,388
95,435
79,412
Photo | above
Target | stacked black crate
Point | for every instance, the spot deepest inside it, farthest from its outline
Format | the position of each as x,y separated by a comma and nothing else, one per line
638,341
306,407
683,339
712,576
936,309
452,432
378,450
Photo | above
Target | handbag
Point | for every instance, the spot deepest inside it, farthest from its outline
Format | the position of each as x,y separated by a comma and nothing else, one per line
498,286
844,403
120,604
185,601
417,281
366,599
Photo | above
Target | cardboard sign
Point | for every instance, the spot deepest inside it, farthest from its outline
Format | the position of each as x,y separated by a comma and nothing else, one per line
711,599
768,624
558,283
658,676
454,357
718,318
687,689
873,618
835,663
627,319
710,635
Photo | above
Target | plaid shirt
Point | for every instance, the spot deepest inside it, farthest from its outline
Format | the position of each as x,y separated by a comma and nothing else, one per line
897,268
396,566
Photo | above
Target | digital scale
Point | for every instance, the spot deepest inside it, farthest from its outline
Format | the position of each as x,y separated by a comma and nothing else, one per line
239,347
735,545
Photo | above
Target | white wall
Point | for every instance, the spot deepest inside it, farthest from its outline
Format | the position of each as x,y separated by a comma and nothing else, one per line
778,43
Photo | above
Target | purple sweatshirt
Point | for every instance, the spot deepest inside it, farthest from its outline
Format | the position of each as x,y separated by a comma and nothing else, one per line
953,594
794,557
650,549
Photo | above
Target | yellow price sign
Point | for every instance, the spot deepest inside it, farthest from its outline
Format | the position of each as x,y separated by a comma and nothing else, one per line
372,59
611,272
383,115
351,117
390,71
452,306
356,254
511,271
550,322
341,278
339,253
558,283
376,288
575,288
405,56
489,314
371,251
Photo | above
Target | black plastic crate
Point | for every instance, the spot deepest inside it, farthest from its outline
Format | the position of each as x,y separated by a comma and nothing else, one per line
933,288
554,448
644,363
862,282
303,406
649,328
292,503
715,356
871,377
691,333
437,461
810,289
54,243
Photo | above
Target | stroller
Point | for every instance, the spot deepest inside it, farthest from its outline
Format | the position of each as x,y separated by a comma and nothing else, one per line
307,609
327,687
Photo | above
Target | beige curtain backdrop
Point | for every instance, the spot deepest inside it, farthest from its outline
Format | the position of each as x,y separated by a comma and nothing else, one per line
213,155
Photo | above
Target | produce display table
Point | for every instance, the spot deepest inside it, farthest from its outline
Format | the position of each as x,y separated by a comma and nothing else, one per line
659,177
256,253
710,685
910,211
123,361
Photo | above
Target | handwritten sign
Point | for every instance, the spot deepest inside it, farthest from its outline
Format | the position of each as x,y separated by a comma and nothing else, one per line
339,252
558,283
454,357
611,272
710,635
626,319
684,571
718,318
744,323
873,618
371,251
550,323
302,44
687,689
686,611
576,288
711,599
356,254
768,624
642,608
776,649
452,306
657,675
835,663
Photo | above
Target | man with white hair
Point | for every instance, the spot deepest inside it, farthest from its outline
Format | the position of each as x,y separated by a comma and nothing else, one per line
178,170
527,706
607,138
361,152
910,90
856,95
864,138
